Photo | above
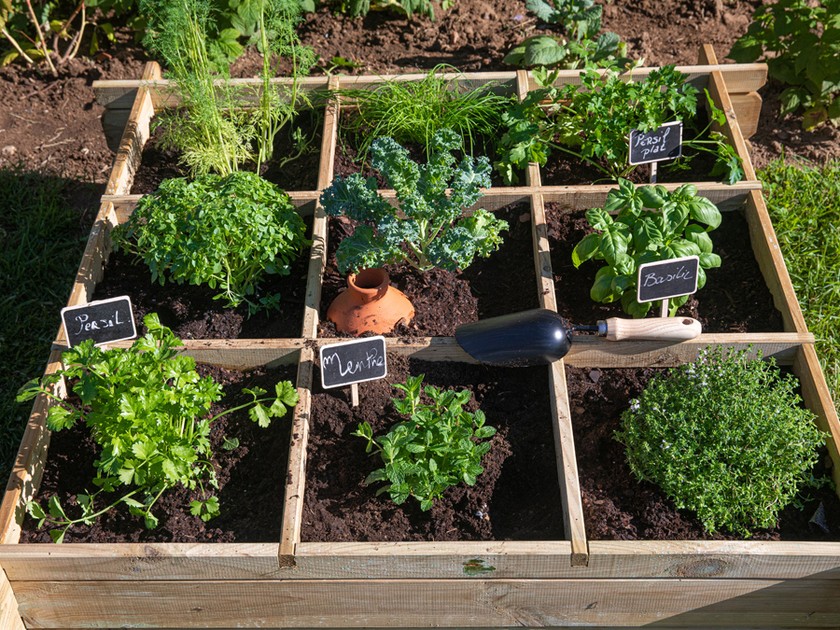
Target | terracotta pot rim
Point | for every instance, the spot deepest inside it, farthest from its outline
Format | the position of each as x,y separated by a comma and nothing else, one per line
369,282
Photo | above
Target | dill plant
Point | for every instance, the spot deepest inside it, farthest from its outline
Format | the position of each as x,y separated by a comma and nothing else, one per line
412,112
725,436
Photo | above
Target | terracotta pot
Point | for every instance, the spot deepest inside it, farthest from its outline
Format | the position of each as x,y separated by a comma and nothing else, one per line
370,304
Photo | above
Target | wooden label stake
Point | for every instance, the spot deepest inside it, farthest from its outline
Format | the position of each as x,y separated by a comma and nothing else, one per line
353,362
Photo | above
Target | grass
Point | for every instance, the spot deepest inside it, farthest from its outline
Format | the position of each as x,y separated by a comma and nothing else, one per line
804,203
411,112
41,243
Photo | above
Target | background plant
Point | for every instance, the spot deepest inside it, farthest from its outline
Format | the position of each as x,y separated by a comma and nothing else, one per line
651,224
437,447
724,436
357,8
593,121
430,229
804,203
800,41
412,112
227,233
580,22
148,410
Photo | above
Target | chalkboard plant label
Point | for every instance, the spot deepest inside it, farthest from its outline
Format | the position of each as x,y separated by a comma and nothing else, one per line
350,362
104,321
666,279
662,143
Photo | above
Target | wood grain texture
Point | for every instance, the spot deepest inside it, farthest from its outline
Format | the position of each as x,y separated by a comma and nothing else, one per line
134,137
806,603
9,615
748,111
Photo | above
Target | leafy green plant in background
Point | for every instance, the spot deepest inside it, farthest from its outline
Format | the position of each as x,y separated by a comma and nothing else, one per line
431,228
356,8
651,224
725,436
580,21
437,447
412,112
800,41
804,203
148,410
227,233
593,122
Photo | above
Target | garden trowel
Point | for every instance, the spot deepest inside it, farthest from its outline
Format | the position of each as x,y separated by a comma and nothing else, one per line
540,336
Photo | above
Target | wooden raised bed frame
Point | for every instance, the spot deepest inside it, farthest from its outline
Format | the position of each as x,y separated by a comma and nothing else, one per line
293,583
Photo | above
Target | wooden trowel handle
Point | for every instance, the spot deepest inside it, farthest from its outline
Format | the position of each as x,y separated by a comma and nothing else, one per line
653,329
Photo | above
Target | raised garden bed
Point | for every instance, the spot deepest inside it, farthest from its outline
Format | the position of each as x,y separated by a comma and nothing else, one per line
562,577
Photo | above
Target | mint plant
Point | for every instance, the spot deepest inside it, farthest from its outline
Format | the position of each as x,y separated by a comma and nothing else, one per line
724,436
437,447
431,228
651,224
593,121
148,410
800,41
225,232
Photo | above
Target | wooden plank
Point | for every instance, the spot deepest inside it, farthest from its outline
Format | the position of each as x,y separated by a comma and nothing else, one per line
445,603
542,258
9,615
134,137
567,471
29,464
768,255
296,475
748,111
817,397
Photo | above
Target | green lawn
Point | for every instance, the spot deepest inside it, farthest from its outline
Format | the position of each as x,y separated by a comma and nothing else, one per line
42,238
804,203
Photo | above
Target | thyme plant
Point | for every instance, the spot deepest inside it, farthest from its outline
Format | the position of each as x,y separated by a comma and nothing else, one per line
725,436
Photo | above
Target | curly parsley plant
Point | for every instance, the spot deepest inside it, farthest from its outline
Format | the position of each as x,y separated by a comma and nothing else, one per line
431,228
725,436
226,232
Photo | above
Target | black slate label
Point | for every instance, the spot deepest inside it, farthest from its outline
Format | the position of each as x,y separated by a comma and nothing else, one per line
103,321
351,362
667,279
664,143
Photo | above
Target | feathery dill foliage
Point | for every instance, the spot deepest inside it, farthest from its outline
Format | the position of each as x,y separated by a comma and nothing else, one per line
210,131
411,112
725,436
804,203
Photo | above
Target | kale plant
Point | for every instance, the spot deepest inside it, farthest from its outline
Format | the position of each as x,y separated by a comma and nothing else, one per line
437,447
225,232
430,229
801,43
148,410
724,436
593,121
651,224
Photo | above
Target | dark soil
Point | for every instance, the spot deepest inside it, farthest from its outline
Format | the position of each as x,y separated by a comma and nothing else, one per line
517,497
503,283
251,478
192,313
735,298
618,507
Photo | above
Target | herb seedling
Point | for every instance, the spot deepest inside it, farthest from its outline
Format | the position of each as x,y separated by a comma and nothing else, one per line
652,224
227,233
725,436
148,410
432,229
593,121
437,447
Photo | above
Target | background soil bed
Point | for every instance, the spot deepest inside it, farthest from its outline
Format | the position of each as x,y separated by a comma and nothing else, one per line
618,507
192,313
517,497
735,298
503,283
251,478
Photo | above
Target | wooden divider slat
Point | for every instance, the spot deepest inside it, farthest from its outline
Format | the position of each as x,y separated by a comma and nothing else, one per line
9,615
748,110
